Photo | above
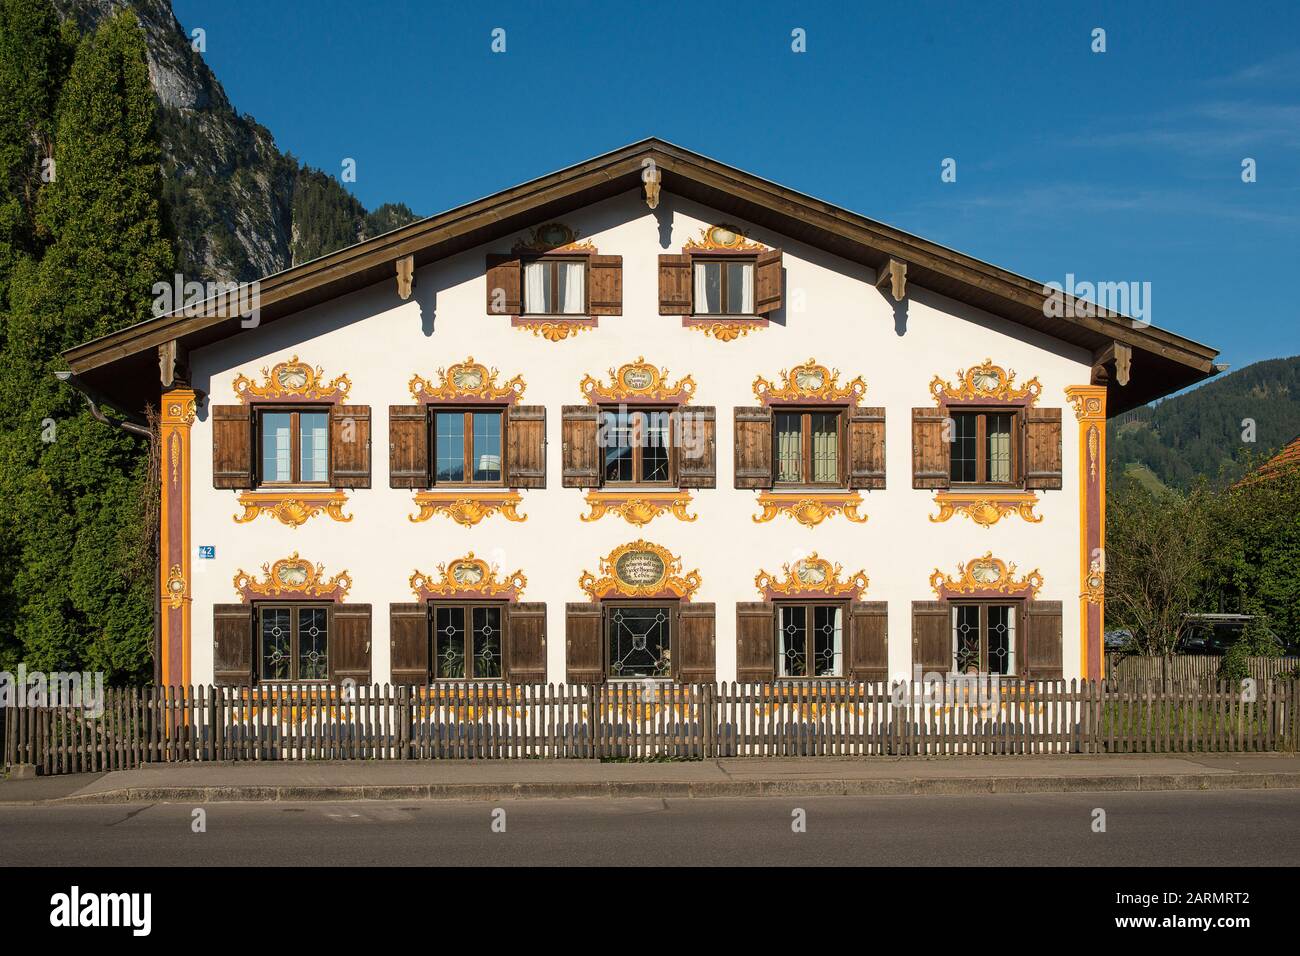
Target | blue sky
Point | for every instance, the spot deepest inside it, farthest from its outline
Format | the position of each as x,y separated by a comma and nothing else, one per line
1115,166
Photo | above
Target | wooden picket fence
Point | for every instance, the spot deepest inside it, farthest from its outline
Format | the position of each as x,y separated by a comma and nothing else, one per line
1185,668
154,725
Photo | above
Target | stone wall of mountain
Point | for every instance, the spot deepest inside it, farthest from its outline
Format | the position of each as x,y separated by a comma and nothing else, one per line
238,207
1206,432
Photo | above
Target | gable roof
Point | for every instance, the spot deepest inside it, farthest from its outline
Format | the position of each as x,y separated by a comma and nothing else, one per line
123,365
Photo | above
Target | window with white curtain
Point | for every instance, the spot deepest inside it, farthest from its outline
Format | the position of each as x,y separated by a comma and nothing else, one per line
807,447
724,287
555,287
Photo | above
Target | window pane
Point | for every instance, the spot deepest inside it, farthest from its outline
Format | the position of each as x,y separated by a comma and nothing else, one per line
740,284
276,660
792,641
1002,640
536,284
638,642
826,447
998,450
571,293
827,641
708,287
789,446
449,429
487,446
314,445
616,439
448,643
964,440
654,447
313,643
487,642
966,637
277,446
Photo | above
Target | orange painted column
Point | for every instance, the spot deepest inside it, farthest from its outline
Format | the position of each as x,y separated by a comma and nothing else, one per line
178,407
1090,409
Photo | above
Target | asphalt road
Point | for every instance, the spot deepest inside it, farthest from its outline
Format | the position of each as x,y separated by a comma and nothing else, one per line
1229,828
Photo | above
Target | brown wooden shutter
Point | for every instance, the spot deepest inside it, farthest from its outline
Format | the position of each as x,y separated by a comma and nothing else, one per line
504,279
232,644
755,642
408,446
697,454
1043,448
526,643
408,642
674,285
1041,647
696,652
349,646
232,446
583,636
930,453
867,448
768,280
931,638
868,653
605,285
753,447
579,452
526,446
350,446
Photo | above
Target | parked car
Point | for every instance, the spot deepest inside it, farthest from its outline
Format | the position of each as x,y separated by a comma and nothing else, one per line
1215,633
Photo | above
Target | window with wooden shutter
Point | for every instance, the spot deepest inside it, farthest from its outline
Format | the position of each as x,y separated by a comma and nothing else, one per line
232,447
930,451
606,279
1043,448
1042,643
696,652
526,643
504,285
753,447
868,653
674,285
580,452
866,448
408,641
349,452
232,644
526,446
768,282
931,638
583,638
349,646
697,460
408,446
755,642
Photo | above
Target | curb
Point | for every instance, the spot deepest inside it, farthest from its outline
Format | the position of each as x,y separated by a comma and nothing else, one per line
936,786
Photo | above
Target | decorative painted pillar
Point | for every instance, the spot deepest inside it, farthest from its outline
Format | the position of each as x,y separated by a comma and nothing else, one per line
1090,409
178,406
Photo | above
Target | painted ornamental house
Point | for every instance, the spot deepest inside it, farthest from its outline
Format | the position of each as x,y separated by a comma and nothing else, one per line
649,417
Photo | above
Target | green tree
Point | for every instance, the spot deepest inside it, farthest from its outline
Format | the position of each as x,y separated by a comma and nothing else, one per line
83,581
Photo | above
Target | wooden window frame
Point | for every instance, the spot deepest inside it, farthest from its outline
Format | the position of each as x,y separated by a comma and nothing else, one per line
295,445
1017,414
432,606
607,607
293,607
1017,604
638,448
724,259
805,439
552,261
467,445
809,605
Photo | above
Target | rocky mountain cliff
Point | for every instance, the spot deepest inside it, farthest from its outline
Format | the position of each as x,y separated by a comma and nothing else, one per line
239,208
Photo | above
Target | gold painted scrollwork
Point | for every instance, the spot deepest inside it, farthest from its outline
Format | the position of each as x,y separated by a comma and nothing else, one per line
810,382
638,508
468,576
293,508
640,569
467,380
293,577
1094,585
722,238
809,509
176,587
986,382
467,508
986,575
986,509
725,331
292,380
552,330
637,381
812,575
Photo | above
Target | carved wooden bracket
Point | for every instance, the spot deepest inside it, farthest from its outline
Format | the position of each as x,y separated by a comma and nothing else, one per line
1118,354
893,271
405,276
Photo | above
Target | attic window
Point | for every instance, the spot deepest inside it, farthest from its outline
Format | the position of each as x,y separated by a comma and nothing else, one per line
555,287
724,287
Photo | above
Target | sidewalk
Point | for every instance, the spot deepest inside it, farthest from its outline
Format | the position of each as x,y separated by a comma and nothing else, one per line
735,777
